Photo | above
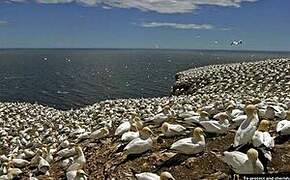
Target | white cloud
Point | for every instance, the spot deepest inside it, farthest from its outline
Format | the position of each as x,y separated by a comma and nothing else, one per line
176,25
161,6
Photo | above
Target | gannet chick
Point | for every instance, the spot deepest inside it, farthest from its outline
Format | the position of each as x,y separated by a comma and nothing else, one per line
217,127
248,127
244,163
283,127
122,128
152,176
192,145
170,130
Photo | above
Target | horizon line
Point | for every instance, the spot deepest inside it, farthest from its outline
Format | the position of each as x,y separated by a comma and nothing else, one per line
185,49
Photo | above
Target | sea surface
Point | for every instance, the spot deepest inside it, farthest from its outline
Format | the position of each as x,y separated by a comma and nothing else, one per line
73,78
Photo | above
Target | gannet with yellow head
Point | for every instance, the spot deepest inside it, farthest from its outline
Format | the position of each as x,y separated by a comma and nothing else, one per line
248,127
192,145
244,163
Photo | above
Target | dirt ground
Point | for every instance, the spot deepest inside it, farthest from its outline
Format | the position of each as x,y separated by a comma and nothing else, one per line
105,161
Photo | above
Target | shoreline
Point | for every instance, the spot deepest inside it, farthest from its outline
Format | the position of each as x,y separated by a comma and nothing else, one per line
36,127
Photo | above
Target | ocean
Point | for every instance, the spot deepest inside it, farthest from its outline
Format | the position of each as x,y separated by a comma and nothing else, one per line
74,78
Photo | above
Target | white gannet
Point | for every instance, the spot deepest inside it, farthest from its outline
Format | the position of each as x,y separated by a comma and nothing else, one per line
191,145
19,163
248,127
244,163
161,117
232,112
142,143
217,127
262,136
264,141
170,130
99,134
203,116
130,135
237,121
283,127
122,128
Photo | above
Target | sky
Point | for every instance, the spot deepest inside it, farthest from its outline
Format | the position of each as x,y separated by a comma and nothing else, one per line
177,24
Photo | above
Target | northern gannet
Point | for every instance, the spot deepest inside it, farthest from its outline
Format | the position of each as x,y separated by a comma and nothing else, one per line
217,127
122,128
248,127
100,133
170,130
244,163
283,127
262,137
140,144
192,145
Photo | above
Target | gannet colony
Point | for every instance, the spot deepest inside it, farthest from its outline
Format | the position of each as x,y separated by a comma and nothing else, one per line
222,121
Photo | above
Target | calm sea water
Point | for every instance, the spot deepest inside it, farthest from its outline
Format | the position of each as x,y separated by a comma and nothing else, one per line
74,78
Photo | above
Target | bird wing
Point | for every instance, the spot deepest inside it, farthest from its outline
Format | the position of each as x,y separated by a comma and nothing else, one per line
211,126
235,159
147,176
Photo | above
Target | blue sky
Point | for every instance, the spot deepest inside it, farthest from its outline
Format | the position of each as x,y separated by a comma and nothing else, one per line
182,24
